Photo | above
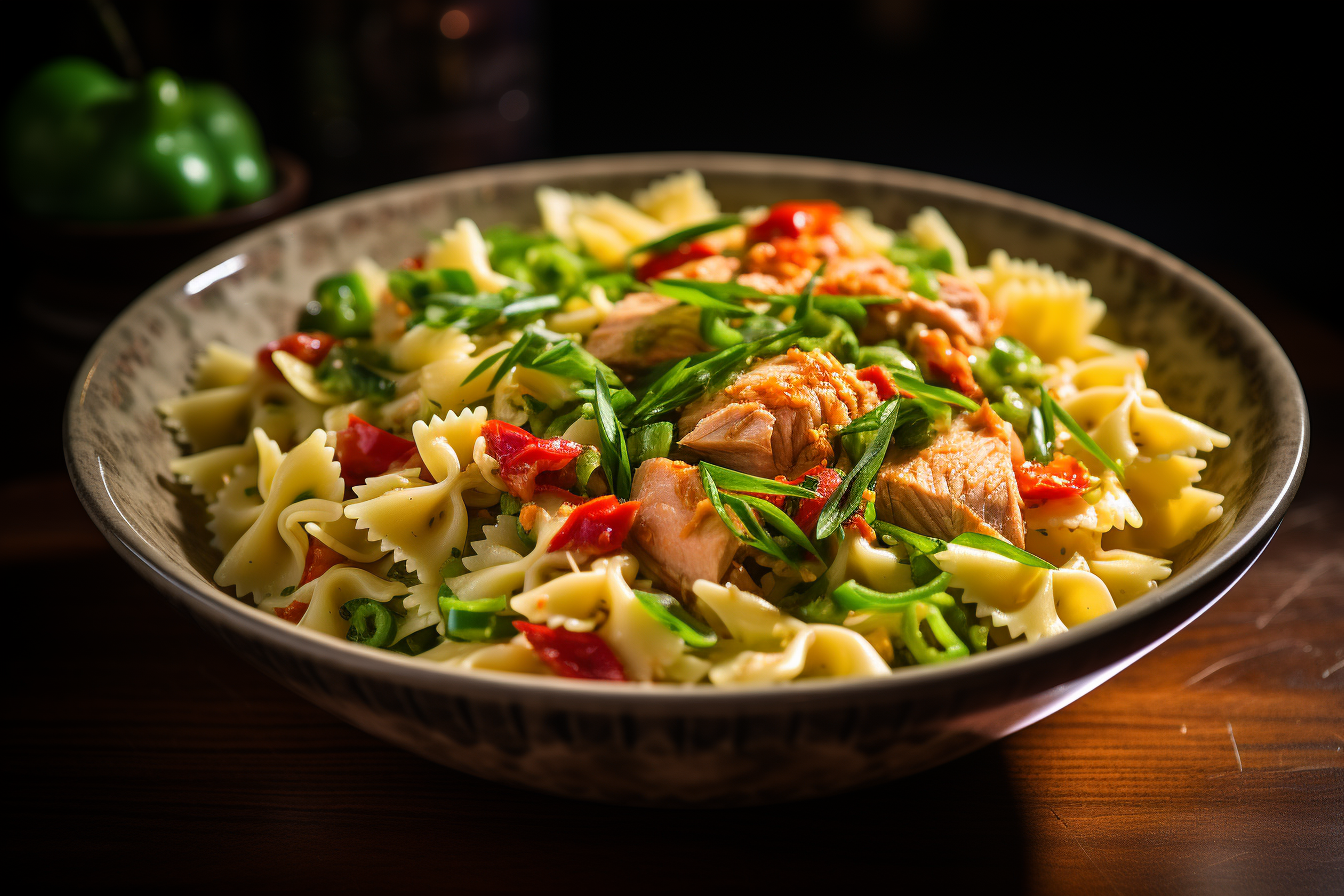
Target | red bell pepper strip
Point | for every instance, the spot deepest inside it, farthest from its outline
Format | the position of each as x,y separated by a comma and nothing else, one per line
310,348
881,379
1063,477
598,526
809,509
947,363
292,612
319,559
573,654
363,450
795,219
526,462
669,260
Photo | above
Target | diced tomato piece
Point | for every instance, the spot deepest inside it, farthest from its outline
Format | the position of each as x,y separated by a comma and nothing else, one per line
948,364
795,219
573,654
319,559
310,348
363,450
881,379
598,526
1063,477
292,612
669,260
526,461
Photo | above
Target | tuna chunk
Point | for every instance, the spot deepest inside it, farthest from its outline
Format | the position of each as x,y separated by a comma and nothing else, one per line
644,329
961,310
962,482
778,417
867,275
677,535
714,269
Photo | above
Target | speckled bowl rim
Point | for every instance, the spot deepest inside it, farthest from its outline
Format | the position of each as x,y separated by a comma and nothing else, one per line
1286,463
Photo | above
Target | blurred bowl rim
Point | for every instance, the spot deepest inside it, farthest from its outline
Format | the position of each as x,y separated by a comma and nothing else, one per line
1254,525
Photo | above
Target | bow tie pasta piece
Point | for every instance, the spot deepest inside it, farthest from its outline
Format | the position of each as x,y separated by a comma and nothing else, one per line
601,599
1126,574
1112,509
307,487
236,507
422,523
441,381
764,645
931,230
223,415
220,365
464,248
1173,509
423,344
326,594
1126,424
206,471
1024,599
501,563
1050,312
677,200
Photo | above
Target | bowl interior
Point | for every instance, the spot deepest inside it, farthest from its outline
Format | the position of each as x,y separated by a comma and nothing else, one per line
1209,357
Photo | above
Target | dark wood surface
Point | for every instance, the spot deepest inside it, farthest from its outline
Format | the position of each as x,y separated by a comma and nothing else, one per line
141,754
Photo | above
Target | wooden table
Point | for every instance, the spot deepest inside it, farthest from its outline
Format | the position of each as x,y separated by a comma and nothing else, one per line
143,754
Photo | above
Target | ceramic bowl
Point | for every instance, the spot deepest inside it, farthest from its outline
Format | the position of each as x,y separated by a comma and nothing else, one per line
668,745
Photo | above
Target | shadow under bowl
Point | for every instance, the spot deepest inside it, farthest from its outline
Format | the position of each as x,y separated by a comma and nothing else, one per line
665,745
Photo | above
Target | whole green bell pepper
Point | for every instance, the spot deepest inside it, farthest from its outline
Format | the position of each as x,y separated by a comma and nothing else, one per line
156,163
83,143
232,130
54,126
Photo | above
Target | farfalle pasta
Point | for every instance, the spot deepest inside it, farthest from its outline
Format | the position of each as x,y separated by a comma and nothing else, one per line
656,442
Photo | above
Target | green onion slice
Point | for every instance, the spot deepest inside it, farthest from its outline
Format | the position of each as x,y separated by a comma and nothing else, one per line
669,611
615,455
677,289
371,623
685,234
1089,444
845,500
937,393
853,596
733,481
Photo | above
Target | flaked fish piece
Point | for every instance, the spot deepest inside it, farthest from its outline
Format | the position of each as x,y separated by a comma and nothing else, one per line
778,417
961,482
866,275
677,534
961,310
714,269
644,329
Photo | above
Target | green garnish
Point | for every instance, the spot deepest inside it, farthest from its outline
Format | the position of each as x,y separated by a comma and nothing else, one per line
931,613
486,605
251,491
916,543
845,500
647,442
347,372
1088,443
684,292
685,381
1047,424
534,305
669,611
371,623
853,596
677,237
305,495
615,457
780,520
733,481
918,387
398,573
288,590
747,527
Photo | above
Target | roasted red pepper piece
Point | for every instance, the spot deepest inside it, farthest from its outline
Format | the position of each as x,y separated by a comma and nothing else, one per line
310,348
598,526
669,260
319,559
572,654
526,461
292,612
828,480
795,219
1063,477
413,263
948,364
881,379
363,450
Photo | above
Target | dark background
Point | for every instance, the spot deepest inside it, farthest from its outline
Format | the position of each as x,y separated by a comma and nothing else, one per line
157,760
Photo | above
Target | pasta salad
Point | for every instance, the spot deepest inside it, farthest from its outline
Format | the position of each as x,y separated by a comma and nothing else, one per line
653,441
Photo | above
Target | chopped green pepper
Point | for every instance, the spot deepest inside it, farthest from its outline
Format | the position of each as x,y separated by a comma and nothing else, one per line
371,623
647,442
341,306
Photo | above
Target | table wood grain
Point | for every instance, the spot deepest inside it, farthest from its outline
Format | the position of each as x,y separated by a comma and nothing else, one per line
141,754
